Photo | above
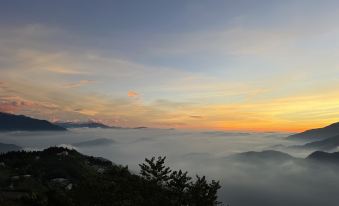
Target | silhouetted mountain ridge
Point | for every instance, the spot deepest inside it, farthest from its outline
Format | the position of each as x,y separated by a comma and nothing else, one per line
11,122
276,157
318,134
89,124
266,155
324,157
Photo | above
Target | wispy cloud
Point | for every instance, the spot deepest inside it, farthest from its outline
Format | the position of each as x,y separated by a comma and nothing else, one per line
62,70
196,116
77,84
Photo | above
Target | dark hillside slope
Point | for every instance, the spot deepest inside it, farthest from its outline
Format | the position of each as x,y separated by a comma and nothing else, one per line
59,176
317,134
11,122
324,157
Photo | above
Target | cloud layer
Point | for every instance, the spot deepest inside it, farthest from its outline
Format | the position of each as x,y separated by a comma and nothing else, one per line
269,181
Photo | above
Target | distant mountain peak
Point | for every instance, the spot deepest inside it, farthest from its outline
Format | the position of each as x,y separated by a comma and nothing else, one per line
266,155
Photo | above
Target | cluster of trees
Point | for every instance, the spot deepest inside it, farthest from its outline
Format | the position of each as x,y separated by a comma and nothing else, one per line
43,178
176,186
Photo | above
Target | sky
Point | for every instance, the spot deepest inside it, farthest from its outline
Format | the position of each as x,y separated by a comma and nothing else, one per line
253,65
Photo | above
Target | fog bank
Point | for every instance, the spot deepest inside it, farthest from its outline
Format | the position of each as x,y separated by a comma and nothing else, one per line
287,182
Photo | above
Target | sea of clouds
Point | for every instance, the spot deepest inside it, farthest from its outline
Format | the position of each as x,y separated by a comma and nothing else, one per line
244,183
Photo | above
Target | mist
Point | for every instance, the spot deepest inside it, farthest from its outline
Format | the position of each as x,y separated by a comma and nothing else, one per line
270,181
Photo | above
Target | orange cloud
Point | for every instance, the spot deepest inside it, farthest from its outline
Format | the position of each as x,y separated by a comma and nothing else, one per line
132,94
7,107
13,103
88,112
16,103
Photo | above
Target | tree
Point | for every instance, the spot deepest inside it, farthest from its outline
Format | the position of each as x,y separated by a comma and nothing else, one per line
202,193
155,171
178,185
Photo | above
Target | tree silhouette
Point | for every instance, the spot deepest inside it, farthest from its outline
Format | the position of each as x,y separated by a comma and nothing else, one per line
114,185
202,193
155,171
178,185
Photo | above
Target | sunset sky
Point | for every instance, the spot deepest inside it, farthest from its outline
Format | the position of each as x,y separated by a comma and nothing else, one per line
262,65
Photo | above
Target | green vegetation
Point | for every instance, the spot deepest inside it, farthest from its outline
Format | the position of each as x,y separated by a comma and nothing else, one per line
59,176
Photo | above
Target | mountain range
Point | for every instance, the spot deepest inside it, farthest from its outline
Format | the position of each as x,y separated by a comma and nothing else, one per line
89,124
271,156
11,122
